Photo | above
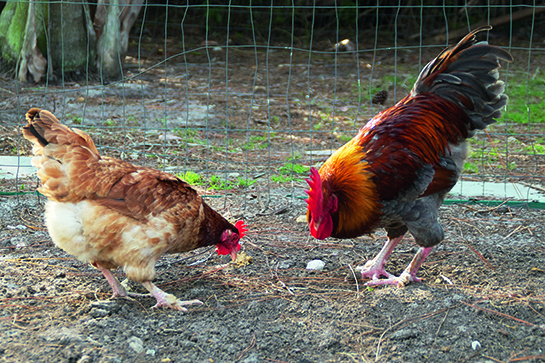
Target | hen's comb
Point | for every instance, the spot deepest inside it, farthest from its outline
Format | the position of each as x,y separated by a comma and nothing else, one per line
315,196
242,228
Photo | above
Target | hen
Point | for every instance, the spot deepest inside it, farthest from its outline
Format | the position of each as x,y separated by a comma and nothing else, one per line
110,213
395,173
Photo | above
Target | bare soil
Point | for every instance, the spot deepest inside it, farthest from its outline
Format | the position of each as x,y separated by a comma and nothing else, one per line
482,298
483,294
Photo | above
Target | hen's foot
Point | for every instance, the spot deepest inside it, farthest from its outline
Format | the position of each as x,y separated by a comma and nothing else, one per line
167,300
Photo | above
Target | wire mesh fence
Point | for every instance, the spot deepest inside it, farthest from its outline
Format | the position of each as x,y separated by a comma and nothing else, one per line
244,98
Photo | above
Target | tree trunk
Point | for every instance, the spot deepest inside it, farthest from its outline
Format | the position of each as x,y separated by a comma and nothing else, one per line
113,22
70,46
39,37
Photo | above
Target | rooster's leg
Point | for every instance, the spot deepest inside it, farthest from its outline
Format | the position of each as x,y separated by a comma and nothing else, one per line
167,300
407,276
375,268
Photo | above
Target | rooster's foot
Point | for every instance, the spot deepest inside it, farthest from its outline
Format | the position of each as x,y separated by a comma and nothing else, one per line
373,270
400,281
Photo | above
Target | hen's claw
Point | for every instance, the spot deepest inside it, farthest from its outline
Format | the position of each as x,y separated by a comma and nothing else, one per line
167,300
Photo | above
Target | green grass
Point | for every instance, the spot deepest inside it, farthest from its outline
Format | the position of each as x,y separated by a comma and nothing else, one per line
76,120
470,168
290,172
538,149
404,79
257,142
191,177
216,182
526,103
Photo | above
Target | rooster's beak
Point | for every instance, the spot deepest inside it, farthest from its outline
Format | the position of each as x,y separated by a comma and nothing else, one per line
233,254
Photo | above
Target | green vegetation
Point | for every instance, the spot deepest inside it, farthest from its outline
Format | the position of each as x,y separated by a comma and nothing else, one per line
526,103
191,177
470,168
257,142
290,172
216,182
76,120
538,149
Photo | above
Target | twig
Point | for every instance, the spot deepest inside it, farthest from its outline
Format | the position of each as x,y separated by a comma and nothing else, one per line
492,358
501,314
421,317
530,357
513,232
355,279
540,189
252,343
437,332
481,257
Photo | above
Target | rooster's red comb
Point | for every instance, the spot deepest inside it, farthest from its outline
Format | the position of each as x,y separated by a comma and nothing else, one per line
242,228
315,196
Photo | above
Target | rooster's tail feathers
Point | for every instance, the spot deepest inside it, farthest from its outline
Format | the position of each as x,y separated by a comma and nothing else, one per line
44,129
467,74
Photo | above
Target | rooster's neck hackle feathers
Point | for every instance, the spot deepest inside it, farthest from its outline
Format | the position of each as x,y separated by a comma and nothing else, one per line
348,177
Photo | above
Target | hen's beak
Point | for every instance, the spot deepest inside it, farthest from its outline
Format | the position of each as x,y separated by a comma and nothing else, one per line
233,254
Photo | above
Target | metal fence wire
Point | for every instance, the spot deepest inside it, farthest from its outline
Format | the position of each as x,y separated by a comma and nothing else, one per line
244,98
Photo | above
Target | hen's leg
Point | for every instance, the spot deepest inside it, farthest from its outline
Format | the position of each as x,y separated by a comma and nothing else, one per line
407,276
119,290
167,300
375,268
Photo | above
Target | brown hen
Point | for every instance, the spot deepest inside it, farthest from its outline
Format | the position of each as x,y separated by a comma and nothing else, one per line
111,213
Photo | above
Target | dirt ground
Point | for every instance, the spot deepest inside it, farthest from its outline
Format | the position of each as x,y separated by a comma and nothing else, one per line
482,298
483,294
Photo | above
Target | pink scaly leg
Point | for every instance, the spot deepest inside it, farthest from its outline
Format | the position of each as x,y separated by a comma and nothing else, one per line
167,300
409,274
375,268
119,290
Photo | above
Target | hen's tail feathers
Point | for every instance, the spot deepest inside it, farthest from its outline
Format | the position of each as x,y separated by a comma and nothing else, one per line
467,74
43,129
62,155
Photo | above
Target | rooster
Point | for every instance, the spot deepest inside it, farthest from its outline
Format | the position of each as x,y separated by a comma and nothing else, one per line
395,173
110,213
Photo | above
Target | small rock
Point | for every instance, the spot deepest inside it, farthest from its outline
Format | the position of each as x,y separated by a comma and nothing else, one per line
98,313
150,352
475,345
404,334
61,336
285,264
301,219
136,344
253,358
463,328
315,265
85,359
